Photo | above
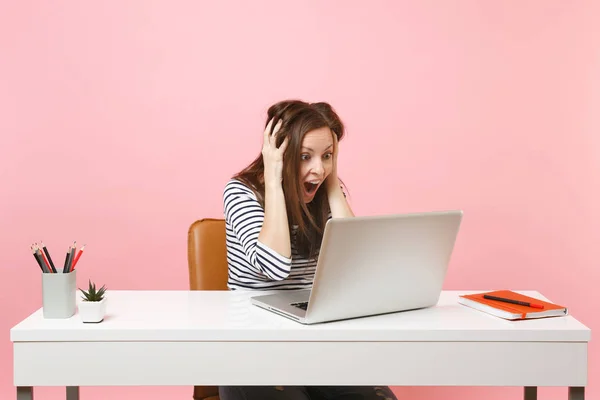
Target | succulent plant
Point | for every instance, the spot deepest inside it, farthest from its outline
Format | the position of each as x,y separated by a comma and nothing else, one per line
92,294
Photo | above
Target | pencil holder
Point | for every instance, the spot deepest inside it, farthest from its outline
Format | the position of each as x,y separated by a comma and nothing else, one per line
58,294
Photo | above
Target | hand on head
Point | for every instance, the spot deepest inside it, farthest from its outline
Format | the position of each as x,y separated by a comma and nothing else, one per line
332,180
273,155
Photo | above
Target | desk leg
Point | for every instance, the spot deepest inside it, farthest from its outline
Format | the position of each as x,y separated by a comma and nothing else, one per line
576,393
72,393
24,393
530,393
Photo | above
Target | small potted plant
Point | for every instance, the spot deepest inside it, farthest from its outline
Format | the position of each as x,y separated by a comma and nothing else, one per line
93,306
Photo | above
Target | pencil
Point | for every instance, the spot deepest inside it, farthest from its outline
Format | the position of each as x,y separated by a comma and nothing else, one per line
73,249
48,256
37,259
71,256
67,260
77,258
43,257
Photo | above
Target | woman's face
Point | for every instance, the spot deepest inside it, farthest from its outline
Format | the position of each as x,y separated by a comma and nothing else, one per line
316,161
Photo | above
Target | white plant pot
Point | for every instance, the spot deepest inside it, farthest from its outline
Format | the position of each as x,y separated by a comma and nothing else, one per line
92,311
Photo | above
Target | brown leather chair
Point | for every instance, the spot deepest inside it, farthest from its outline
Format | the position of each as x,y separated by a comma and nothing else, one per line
207,263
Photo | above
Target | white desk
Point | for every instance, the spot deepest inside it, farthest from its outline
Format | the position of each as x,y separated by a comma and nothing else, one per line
218,338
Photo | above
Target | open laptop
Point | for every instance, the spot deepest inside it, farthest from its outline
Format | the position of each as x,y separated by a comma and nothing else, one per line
373,265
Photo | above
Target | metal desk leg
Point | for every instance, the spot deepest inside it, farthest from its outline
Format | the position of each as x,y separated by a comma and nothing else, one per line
530,393
577,393
72,393
24,393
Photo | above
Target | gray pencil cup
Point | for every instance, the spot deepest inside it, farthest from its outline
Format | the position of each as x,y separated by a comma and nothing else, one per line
58,294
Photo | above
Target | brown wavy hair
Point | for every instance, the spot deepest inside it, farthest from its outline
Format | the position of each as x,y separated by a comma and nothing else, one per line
298,118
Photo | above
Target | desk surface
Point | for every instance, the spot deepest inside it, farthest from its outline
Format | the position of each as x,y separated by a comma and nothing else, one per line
141,315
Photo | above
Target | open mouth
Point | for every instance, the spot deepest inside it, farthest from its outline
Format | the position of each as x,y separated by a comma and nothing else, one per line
311,187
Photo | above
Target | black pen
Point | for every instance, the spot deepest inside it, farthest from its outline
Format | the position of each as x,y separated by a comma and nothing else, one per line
505,300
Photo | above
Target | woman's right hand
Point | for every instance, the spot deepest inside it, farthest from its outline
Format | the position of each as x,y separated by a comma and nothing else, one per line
272,155
275,232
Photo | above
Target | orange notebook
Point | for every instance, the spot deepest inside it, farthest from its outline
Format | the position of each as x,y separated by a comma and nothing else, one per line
511,311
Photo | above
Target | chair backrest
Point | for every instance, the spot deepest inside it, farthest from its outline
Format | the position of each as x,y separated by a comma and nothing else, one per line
207,264
207,255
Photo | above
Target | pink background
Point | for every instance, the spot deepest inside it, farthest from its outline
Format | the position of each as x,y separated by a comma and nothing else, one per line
122,121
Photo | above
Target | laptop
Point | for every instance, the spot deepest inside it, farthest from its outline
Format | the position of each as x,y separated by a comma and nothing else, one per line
373,265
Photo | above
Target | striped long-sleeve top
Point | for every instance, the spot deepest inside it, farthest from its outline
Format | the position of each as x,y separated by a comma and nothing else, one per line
252,264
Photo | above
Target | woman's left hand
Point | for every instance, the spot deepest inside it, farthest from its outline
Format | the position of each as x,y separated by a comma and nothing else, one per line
333,182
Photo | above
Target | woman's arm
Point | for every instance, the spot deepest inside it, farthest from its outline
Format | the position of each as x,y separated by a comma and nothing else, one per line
264,232
337,200
338,203
246,217
275,232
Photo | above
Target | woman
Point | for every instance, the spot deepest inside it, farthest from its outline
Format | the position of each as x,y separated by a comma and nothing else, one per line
275,214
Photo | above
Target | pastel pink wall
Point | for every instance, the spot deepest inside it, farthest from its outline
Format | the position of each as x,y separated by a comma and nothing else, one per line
120,123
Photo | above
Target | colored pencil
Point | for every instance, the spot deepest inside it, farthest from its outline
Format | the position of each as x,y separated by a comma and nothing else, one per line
48,256
77,258
67,260
37,259
71,256
43,258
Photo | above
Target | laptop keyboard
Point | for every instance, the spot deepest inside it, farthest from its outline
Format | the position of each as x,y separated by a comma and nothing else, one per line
303,305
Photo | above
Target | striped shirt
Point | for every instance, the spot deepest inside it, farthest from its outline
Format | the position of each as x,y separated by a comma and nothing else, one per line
252,264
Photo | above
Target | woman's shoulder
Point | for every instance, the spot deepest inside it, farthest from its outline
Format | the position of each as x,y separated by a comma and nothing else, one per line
236,187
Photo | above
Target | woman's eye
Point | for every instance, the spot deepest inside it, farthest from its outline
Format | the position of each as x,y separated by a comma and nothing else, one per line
327,156
304,157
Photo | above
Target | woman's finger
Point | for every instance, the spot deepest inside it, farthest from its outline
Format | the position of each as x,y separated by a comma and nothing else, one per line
335,143
277,127
284,144
267,130
273,137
